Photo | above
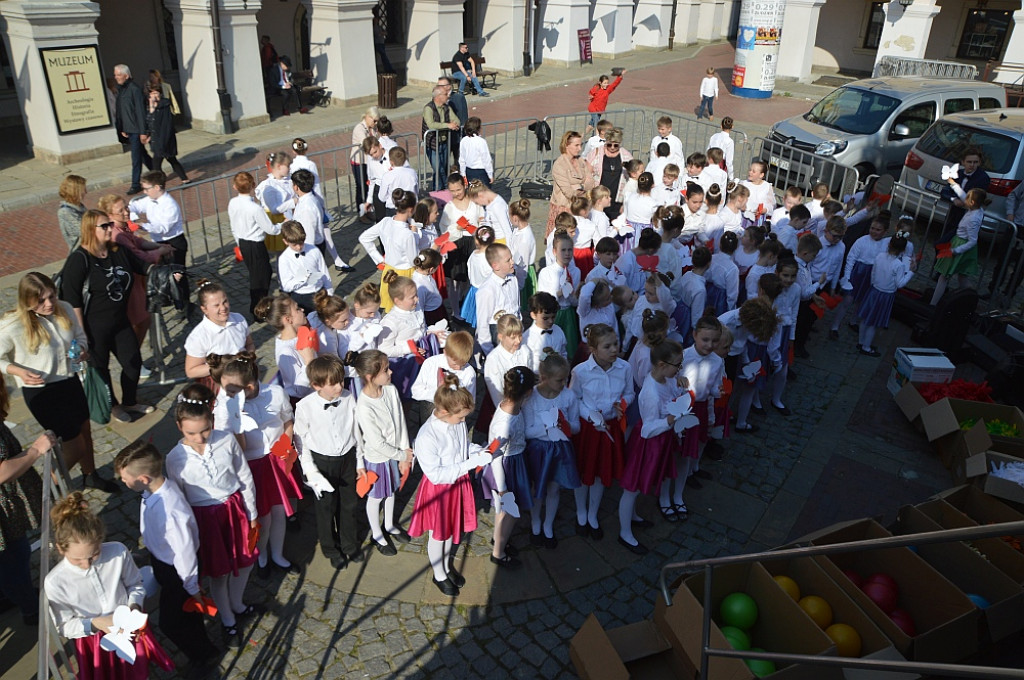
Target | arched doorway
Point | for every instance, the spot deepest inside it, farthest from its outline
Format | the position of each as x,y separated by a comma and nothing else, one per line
301,26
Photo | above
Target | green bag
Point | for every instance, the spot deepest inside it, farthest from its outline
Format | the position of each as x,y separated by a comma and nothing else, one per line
97,394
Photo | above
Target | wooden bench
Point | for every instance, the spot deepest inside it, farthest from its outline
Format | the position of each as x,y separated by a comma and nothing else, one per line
482,74
309,90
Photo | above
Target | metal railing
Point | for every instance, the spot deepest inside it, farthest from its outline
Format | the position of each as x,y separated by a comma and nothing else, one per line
789,165
56,485
889,66
927,538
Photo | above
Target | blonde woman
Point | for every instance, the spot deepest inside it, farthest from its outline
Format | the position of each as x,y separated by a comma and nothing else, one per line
366,127
571,177
71,208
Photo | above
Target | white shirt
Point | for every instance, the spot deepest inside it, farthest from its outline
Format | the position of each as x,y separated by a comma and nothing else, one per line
170,532
497,364
327,430
562,282
762,194
630,269
310,214
537,339
640,363
249,221
590,315
890,273
639,209
76,596
302,162
473,153
397,178
787,305
704,373
400,327
594,142
709,87
449,223
427,291
523,245
381,424
375,170
816,210
496,217
675,147
726,275
211,477
864,250
495,298
387,144
478,269
538,409
209,337
694,292
259,421
665,304
613,276
657,167
786,234
163,216
713,174
291,369
510,427
723,141
731,221
754,278
442,450
829,261
600,390
425,386
744,260
277,196
401,243
585,232
665,195
303,271
602,226
51,358
654,401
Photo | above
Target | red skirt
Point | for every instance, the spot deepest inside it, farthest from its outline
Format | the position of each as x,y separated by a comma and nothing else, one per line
442,286
722,416
445,510
223,537
274,484
649,461
584,259
96,663
698,434
597,454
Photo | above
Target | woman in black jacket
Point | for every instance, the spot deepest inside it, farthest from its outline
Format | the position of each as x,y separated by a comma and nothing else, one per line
160,127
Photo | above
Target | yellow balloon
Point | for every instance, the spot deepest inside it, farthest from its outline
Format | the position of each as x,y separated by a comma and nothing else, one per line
818,609
846,637
790,586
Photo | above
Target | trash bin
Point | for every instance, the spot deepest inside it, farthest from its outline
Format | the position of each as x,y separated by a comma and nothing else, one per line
387,90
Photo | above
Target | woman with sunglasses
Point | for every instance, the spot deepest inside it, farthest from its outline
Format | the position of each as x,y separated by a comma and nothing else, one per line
607,162
97,282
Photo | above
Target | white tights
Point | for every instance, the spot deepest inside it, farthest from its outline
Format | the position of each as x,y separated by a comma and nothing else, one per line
373,515
227,592
549,505
273,527
440,554
588,502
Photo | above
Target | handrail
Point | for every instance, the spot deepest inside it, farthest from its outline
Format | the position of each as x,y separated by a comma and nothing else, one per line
925,538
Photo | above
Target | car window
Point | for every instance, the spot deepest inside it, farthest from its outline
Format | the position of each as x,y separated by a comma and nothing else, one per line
957,105
917,118
949,141
989,103
853,110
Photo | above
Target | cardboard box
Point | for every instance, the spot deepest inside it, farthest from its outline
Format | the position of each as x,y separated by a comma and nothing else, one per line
946,621
781,625
638,650
979,506
971,573
910,401
1004,557
920,365
944,417
813,580
979,468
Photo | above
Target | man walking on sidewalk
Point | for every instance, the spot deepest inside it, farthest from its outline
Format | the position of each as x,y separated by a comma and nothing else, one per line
130,121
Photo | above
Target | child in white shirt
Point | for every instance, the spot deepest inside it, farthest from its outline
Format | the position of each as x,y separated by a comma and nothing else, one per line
543,337
301,267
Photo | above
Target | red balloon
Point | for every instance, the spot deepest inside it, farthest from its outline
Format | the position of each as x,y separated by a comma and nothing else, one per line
881,594
883,578
854,576
903,621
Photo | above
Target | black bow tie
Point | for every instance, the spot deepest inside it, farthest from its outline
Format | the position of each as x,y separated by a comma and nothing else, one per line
331,404
506,281
549,331
299,254
664,139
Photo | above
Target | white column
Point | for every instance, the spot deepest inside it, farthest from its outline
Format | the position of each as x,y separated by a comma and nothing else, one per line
557,44
651,23
345,60
710,22
906,29
799,33
501,42
435,31
687,21
49,24
243,73
612,31
1014,51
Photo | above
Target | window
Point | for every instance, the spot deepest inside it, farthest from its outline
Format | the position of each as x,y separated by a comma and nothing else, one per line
957,105
984,34
876,20
853,110
172,46
917,119
949,141
390,17
469,28
989,103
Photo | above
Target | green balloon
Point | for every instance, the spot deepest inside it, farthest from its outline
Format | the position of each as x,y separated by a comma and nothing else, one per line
736,637
759,667
740,610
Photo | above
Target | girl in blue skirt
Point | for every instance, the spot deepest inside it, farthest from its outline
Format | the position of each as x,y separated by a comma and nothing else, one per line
890,273
479,270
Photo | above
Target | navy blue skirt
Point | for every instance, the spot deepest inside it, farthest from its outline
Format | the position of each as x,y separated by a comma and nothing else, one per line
717,298
551,462
517,480
876,308
860,279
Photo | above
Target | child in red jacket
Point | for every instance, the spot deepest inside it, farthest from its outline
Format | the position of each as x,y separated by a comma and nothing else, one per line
599,96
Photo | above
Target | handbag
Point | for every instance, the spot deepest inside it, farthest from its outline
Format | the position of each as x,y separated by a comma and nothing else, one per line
97,395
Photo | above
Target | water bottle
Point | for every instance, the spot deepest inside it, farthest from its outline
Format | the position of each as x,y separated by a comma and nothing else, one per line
75,356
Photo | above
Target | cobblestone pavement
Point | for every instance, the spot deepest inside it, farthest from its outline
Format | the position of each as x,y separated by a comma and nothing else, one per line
843,454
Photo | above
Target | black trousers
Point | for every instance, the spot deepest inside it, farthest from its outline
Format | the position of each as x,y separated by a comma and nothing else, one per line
257,261
336,519
178,256
186,630
117,336
359,178
175,165
805,318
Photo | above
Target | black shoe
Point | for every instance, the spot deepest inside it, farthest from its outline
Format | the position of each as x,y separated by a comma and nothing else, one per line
582,530
668,513
339,562
446,587
748,429
400,535
637,549
509,549
94,481
783,410
702,474
387,549
870,352
132,190
290,569
482,93
232,637
347,269
456,577
853,326
357,556
250,610
833,334
757,410
642,523
292,523
263,572
550,542
694,483
507,561
801,352
537,540
714,450
596,534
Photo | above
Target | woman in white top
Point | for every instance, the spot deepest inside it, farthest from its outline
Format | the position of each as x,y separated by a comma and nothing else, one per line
363,129
220,332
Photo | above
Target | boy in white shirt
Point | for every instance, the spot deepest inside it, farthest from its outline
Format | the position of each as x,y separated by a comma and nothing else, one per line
666,193
376,165
597,141
713,172
675,147
399,176
543,333
793,197
787,230
498,295
301,268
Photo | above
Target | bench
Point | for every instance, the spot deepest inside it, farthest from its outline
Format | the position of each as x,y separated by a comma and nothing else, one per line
309,90
482,74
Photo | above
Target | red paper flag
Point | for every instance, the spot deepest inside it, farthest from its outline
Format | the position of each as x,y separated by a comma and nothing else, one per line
414,349
380,266
404,478
465,225
285,450
492,448
818,311
831,301
943,254
365,483
563,424
238,254
254,537
443,238
200,604
308,339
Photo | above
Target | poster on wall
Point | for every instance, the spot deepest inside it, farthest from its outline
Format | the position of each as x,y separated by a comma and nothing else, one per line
757,47
74,79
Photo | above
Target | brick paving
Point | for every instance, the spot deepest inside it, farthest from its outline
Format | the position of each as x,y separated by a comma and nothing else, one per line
384,619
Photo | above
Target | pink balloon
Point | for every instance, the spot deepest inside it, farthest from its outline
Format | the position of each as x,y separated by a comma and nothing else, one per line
881,594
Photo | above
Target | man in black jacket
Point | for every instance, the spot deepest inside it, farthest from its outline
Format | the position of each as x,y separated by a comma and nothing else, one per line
130,121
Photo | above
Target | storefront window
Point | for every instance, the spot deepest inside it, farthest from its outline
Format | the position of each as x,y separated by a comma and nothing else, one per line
984,34
876,19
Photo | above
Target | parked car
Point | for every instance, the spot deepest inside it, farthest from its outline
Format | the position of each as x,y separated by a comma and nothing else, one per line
870,125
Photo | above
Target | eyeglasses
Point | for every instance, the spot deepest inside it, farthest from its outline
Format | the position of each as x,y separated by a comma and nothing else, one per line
104,225
612,145
675,366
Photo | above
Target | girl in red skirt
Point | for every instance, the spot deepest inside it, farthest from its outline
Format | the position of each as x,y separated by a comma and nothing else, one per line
653,445
259,416
85,588
444,501
210,468
604,386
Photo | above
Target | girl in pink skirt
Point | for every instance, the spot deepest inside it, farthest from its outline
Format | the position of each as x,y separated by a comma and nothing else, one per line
210,468
85,588
653,444
444,501
260,416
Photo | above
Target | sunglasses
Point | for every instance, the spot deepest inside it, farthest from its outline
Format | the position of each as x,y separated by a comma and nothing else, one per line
612,145
105,225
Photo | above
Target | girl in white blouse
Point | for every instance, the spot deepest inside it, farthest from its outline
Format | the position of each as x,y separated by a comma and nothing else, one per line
563,279
261,419
474,156
209,467
85,588
586,234
426,265
296,343
890,273
639,208
402,240
220,332
444,500
479,270
331,321
459,211
405,338
250,226
495,209
523,245
385,450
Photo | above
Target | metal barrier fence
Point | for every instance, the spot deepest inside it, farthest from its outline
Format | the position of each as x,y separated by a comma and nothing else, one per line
890,66
695,135
52,658
791,166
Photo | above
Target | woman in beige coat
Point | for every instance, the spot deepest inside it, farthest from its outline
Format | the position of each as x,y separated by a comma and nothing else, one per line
571,177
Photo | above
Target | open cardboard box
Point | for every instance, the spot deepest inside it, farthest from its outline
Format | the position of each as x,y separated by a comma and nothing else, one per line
971,573
781,625
921,365
942,419
946,621
910,401
637,650
813,580
979,506
979,469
